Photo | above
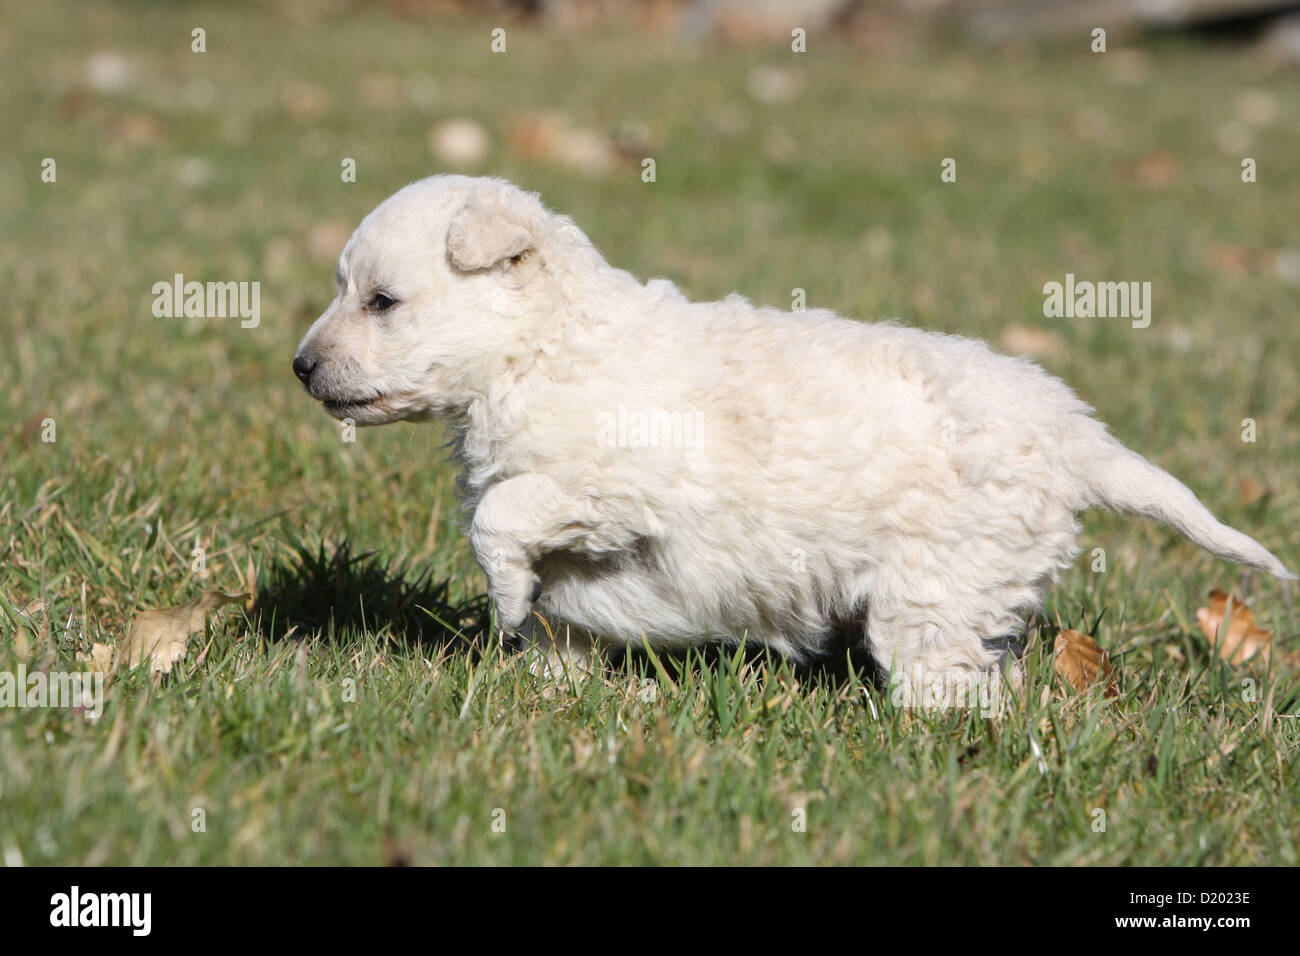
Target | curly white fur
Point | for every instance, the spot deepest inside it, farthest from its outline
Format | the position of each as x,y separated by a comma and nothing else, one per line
641,466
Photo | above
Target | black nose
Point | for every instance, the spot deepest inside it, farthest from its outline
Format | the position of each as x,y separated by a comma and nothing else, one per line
302,367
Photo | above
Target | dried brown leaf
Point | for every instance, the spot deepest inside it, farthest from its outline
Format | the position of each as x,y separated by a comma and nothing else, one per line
1243,639
1080,662
163,634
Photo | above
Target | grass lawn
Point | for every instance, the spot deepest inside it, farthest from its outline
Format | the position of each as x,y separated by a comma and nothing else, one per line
331,725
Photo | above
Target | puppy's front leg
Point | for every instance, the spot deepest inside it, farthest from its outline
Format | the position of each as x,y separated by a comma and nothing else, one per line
520,519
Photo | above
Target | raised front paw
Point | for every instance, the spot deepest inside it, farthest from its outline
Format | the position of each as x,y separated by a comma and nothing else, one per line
511,581
513,593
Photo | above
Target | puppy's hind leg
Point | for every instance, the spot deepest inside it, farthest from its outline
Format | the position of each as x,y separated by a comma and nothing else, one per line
940,641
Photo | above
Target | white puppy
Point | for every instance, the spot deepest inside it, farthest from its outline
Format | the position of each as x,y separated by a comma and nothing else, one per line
640,466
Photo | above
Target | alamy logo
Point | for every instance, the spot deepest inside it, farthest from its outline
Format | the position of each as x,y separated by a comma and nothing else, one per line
213,300
53,689
649,427
916,687
1102,300
102,909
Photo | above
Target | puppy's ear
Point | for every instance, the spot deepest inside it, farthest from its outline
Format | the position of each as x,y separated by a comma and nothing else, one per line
482,235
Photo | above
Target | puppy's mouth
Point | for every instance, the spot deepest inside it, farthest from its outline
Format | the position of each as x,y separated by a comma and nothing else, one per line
370,410
336,405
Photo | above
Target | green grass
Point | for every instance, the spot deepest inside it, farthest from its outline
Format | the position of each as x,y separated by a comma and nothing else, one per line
173,434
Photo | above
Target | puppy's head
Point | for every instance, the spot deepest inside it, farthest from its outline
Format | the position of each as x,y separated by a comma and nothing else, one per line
436,291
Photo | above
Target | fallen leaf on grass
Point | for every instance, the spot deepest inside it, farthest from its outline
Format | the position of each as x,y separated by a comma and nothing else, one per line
22,646
163,634
1243,639
1080,662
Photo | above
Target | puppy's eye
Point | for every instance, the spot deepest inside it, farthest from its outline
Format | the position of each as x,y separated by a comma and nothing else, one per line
380,302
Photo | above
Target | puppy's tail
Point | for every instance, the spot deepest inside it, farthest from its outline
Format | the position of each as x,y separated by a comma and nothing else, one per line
1119,478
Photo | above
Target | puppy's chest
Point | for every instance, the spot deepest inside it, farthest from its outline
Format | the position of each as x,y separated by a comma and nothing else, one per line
491,451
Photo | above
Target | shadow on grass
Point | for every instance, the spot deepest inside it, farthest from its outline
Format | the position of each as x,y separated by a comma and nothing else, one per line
341,593
841,658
